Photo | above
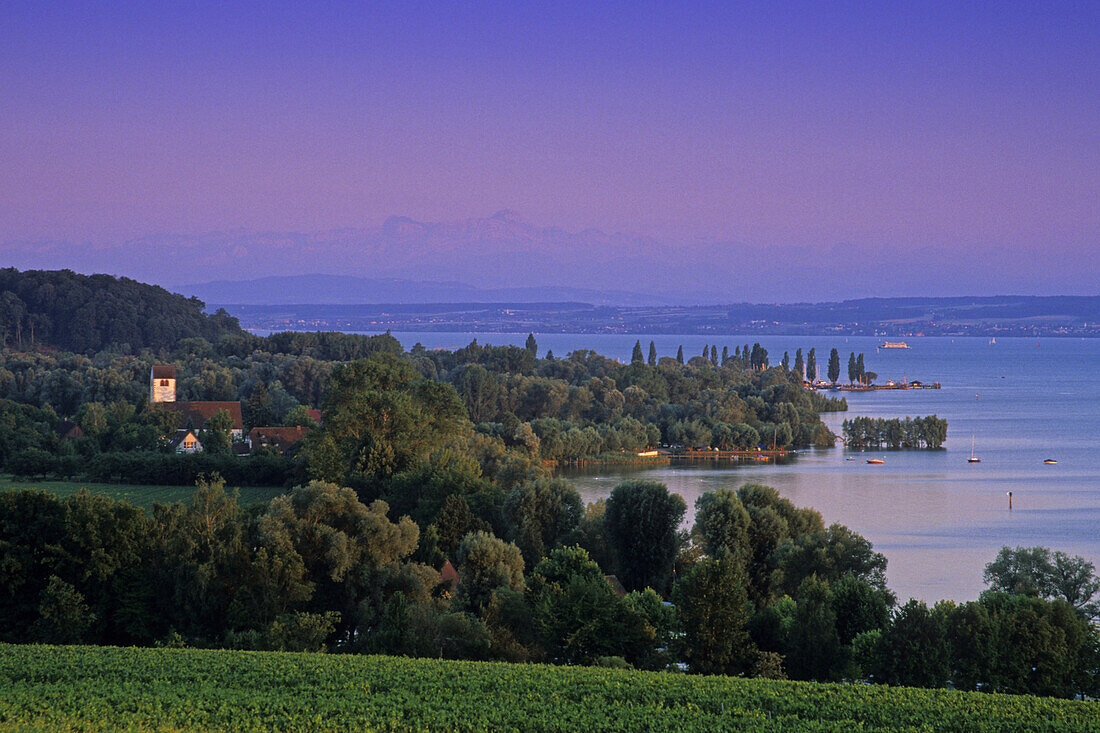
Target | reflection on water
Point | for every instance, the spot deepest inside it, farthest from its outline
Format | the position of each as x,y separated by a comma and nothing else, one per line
937,518
937,526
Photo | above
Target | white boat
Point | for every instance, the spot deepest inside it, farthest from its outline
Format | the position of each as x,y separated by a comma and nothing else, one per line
973,458
876,460
895,345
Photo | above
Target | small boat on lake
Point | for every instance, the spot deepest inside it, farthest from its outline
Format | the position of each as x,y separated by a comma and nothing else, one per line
895,345
973,458
876,460
850,458
1050,461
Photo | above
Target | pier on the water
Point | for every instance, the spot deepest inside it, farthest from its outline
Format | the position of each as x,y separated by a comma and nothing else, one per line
729,455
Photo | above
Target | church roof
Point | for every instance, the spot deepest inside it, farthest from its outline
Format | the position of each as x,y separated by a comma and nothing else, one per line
164,371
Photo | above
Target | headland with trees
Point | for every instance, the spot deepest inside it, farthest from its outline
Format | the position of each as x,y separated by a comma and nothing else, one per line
420,519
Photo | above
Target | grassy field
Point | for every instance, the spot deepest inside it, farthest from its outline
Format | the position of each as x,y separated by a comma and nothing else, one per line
143,496
105,688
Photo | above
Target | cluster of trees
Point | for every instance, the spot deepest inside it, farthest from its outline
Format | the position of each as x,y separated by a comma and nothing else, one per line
758,587
877,432
1001,643
587,404
556,409
88,313
857,373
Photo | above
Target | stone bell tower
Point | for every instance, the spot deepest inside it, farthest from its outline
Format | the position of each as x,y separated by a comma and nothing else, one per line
162,384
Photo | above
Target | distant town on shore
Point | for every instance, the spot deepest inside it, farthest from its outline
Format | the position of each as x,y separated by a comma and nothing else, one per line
1005,316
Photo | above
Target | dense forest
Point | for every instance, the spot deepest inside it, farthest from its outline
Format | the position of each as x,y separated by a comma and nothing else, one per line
88,313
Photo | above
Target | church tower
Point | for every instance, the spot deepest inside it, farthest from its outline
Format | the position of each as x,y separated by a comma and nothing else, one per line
162,384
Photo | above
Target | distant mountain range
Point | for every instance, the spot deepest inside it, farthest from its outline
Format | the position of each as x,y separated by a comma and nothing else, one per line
502,257
348,290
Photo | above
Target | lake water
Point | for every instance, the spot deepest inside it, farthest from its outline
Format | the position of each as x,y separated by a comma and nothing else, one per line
937,518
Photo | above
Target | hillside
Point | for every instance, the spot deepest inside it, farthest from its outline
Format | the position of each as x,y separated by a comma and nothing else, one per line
87,313
105,688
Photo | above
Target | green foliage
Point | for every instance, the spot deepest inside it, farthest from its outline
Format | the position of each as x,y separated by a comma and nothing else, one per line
542,514
641,520
711,609
723,523
576,616
63,614
87,688
876,432
486,563
829,554
83,313
380,417
1038,571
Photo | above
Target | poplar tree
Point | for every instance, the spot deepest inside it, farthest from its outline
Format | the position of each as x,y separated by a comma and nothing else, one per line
636,357
799,366
811,365
786,362
852,373
834,366
680,354
861,372
652,354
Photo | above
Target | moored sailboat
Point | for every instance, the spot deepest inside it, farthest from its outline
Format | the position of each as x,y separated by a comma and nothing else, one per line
973,458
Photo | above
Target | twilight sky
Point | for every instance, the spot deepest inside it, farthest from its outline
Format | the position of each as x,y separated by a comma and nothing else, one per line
967,133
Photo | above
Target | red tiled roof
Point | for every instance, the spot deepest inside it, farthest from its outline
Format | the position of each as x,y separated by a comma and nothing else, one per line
448,574
279,437
162,371
616,587
197,413
69,429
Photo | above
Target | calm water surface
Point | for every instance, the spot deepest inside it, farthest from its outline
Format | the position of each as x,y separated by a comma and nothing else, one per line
937,518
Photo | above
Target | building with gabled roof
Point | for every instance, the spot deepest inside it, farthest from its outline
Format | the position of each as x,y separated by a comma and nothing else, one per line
448,578
194,415
67,429
282,439
185,441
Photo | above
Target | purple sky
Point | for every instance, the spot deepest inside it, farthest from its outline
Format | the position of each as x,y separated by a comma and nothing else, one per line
883,128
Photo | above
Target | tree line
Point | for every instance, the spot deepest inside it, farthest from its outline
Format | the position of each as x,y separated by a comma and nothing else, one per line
88,313
758,587
877,432
555,409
